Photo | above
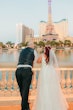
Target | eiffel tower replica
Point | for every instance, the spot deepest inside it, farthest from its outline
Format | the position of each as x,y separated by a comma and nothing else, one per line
50,33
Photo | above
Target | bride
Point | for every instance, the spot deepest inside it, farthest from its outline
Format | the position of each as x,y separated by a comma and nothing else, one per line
49,93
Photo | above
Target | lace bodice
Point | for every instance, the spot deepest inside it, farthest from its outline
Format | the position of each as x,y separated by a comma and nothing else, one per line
52,59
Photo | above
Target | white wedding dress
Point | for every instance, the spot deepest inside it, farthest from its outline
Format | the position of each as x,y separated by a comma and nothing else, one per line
49,92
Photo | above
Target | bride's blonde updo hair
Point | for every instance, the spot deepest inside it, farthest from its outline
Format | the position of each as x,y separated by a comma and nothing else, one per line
46,52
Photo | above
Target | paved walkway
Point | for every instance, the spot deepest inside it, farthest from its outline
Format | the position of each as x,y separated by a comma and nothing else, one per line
17,107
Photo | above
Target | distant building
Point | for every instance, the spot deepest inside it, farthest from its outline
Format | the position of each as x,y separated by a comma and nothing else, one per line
23,33
42,28
61,28
37,39
53,30
69,38
49,29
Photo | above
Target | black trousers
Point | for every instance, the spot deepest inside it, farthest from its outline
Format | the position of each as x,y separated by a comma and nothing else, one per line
24,77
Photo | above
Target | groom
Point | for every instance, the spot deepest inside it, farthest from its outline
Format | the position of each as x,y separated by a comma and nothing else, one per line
24,73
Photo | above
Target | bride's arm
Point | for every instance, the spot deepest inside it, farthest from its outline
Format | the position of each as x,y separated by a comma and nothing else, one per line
39,60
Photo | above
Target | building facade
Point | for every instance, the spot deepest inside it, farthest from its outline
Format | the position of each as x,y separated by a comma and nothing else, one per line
61,28
23,33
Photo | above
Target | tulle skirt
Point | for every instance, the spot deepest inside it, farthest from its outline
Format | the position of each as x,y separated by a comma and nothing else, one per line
49,92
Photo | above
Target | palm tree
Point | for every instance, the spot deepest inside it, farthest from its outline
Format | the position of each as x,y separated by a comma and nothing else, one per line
53,43
61,43
9,44
47,43
2,45
41,44
67,42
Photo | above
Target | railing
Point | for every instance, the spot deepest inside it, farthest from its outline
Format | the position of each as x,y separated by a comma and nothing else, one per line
9,89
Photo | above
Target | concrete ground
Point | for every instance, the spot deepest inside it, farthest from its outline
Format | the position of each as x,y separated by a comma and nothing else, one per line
17,107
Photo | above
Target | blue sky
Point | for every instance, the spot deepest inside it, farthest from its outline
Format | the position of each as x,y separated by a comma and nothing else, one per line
30,13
